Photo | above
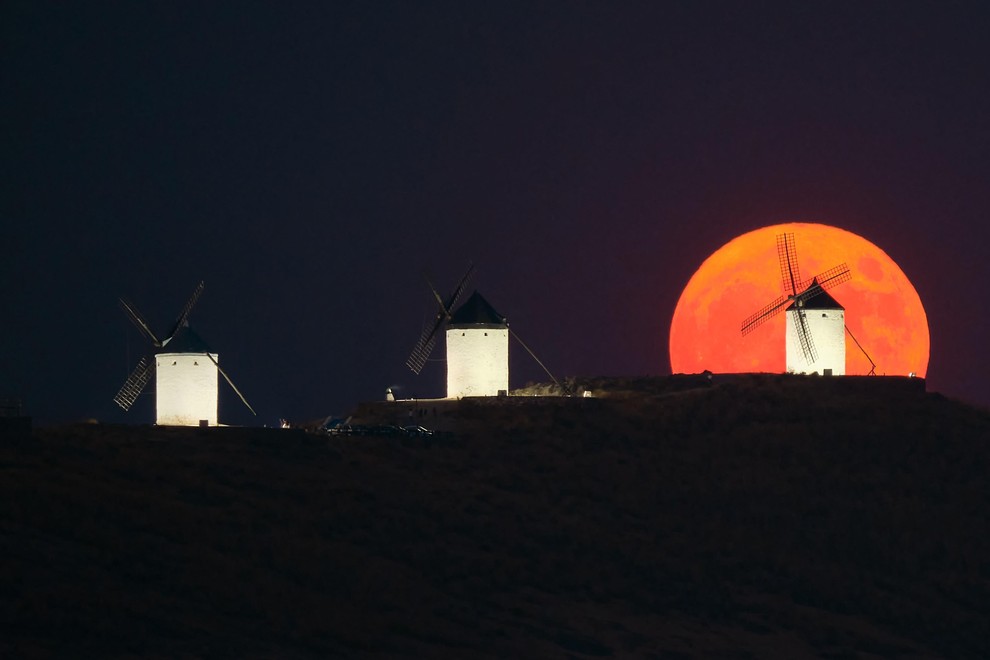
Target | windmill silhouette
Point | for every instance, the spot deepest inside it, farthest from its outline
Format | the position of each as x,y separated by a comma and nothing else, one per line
186,391
477,343
812,312
477,339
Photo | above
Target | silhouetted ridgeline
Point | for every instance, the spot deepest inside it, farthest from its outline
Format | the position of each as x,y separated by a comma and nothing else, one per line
766,516
652,393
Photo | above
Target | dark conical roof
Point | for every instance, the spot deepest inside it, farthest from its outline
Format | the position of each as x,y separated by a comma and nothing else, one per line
477,311
185,340
821,300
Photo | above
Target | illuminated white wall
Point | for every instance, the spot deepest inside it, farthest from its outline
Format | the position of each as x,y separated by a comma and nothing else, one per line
477,361
828,333
186,389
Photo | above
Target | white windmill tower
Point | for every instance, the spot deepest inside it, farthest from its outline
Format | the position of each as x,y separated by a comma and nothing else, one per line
812,313
185,371
477,350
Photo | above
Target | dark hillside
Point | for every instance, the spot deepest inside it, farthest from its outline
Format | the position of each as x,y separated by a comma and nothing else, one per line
762,517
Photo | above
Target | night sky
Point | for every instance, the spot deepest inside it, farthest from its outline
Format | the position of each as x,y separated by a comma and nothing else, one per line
310,161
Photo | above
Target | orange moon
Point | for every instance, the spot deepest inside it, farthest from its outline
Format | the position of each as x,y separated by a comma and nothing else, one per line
883,311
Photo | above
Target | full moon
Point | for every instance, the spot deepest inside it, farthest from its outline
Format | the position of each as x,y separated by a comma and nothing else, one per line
883,310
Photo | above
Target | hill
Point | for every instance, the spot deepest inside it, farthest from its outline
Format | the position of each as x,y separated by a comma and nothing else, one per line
758,517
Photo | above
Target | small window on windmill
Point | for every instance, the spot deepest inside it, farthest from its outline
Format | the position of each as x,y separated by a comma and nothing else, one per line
195,363
486,334
824,315
827,372
174,363
462,334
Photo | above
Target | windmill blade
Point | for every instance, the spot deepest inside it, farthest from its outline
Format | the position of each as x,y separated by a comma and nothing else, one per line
134,384
833,276
229,381
436,294
767,312
823,281
790,274
139,321
427,340
184,314
804,336
456,295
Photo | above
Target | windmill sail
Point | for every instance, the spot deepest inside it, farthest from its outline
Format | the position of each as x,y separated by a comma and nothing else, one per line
428,339
459,291
826,280
790,274
184,314
139,321
804,336
421,351
752,322
134,384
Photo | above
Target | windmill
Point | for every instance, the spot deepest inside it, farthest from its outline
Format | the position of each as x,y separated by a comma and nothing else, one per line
813,314
477,339
185,371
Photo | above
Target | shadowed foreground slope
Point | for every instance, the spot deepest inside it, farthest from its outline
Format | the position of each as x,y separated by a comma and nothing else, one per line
774,517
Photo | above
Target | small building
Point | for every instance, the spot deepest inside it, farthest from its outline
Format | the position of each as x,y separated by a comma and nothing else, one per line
477,350
826,324
186,381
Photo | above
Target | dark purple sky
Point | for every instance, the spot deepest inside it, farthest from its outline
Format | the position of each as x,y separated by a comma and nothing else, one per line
308,162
